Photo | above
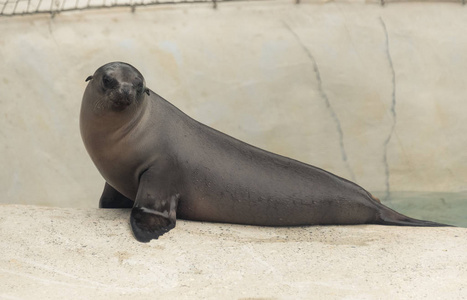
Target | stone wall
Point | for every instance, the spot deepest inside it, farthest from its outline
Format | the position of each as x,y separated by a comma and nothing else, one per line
373,94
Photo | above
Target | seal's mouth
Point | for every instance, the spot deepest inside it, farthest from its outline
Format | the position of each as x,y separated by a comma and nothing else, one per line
120,105
121,99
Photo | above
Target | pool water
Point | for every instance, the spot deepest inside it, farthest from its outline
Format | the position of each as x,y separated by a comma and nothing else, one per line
447,208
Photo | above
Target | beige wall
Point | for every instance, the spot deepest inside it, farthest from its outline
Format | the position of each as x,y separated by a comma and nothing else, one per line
374,94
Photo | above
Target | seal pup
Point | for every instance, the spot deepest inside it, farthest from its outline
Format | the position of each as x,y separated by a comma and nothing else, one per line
163,164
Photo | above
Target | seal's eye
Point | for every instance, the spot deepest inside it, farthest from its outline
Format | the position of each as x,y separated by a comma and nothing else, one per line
139,87
109,82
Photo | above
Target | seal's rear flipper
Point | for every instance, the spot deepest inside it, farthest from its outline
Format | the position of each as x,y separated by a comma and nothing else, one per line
391,217
111,198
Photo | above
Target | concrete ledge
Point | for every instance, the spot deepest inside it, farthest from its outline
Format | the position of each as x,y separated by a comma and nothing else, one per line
90,254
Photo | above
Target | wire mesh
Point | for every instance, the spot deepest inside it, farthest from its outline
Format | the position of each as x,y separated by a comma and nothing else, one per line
53,7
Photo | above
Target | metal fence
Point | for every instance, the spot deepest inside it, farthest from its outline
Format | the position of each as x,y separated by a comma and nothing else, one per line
10,8
53,7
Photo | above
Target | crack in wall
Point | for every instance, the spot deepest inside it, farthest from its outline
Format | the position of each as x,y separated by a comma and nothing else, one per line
392,110
326,100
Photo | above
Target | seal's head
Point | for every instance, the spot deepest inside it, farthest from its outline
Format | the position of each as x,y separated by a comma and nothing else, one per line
118,85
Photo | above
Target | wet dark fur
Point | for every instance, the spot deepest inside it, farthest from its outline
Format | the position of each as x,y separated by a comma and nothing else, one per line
164,165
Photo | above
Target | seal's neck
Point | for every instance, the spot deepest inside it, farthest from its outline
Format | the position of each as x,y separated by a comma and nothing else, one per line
102,124
133,116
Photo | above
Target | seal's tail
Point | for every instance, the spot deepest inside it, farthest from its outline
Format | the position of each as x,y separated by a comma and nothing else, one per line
391,217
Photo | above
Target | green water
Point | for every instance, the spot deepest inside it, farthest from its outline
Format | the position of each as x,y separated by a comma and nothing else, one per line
447,208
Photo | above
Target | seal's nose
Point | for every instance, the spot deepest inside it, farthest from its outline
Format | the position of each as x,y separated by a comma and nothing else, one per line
125,89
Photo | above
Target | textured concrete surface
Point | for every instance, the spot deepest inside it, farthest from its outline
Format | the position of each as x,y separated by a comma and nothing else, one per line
374,94
58,253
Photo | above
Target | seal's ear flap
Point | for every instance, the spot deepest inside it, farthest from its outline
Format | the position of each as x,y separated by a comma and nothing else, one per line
146,90
89,78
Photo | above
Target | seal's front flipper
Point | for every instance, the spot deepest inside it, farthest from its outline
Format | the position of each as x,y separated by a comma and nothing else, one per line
111,198
149,223
155,209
